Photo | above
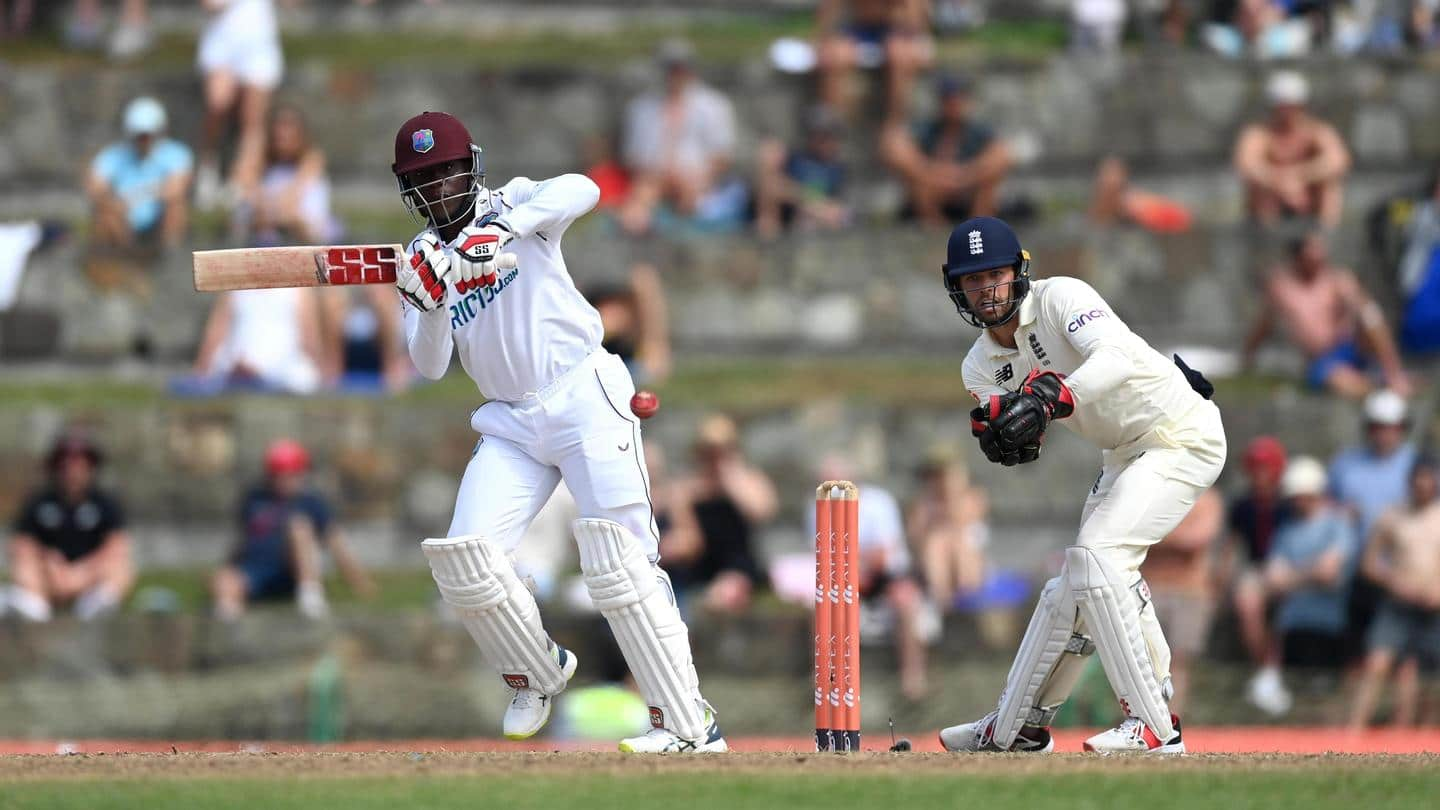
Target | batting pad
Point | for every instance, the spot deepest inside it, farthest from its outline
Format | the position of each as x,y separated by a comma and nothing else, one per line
635,597
1108,607
1046,668
478,581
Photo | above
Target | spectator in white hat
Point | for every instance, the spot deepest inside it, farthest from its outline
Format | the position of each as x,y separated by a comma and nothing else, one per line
138,187
1292,163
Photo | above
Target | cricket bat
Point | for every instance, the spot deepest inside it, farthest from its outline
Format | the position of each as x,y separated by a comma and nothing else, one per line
313,266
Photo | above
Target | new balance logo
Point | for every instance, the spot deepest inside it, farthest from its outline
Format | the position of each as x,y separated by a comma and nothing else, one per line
976,245
1004,374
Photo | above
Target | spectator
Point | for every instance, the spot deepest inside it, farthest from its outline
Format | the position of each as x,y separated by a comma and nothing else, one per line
947,520
710,548
139,187
802,186
242,63
292,203
260,339
887,576
1096,26
1181,574
132,35
1420,275
678,146
1387,26
954,169
869,34
637,323
1257,28
69,546
1329,317
362,347
1403,559
1369,481
1116,199
1253,518
283,528
15,18
1305,572
1292,164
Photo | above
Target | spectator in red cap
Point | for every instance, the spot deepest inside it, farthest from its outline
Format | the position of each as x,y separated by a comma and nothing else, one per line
283,526
1253,518
69,545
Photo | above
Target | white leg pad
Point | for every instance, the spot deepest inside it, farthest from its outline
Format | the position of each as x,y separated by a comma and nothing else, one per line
1109,610
497,609
635,597
1047,666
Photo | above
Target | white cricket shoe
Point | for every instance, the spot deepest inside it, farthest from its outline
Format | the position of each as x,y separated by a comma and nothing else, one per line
1134,737
980,736
529,709
1267,692
665,741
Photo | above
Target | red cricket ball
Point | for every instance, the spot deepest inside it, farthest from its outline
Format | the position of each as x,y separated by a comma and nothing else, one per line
644,404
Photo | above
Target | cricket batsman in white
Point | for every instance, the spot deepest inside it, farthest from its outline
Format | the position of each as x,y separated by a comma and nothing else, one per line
1052,349
558,406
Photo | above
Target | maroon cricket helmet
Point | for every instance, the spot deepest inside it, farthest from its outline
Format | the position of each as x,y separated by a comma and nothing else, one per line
428,139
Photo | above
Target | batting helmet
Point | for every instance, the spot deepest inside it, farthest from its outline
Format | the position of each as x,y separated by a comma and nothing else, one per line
979,244
432,139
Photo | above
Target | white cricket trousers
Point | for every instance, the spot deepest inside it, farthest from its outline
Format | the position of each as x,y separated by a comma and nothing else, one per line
578,427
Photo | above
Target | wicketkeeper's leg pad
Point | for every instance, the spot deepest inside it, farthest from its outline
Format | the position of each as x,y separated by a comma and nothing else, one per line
477,579
635,597
1108,607
1047,666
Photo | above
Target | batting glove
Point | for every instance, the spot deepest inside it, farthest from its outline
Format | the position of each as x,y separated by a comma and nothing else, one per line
476,249
422,278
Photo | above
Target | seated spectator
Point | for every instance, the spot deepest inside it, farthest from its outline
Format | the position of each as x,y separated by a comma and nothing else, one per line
69,546
15,18
947,520
1116,199
1180,571
291,205
1252,519
132,35
637,323
802,187
1368,481
1292,164
1403,559
283,528
1331,319
262,340
1387,26
363,348
710,547
894,34
1420,275
241,61
1306,570
1096,26
679,144
1258,28
139,187
953,169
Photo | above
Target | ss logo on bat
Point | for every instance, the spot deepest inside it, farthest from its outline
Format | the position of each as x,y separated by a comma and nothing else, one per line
357,265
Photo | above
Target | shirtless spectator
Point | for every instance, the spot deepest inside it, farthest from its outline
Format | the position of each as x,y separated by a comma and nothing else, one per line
1181,574
954,168
869,34
1332,320
1403,559
1293,163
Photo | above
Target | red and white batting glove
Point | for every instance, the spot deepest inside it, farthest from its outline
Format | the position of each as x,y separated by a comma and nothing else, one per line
476,249
422,276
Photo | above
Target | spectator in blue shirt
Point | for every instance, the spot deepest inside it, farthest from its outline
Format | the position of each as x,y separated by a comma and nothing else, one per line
803,186
139,186
283,527
1306,572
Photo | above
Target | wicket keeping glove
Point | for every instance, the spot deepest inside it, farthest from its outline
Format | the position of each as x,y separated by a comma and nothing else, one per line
985,426
421,279
476,249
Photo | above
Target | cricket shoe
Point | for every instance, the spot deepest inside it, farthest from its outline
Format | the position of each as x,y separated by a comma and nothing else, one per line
1134,737
980,736
529,709
665,741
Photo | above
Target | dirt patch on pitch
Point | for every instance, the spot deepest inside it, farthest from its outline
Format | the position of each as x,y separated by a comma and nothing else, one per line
386,764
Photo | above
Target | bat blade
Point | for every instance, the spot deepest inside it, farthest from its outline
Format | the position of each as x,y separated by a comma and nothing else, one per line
308,266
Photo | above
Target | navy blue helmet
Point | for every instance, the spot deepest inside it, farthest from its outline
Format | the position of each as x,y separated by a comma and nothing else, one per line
979,244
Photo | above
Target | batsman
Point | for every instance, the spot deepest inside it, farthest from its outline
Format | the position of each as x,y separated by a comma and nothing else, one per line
1053,350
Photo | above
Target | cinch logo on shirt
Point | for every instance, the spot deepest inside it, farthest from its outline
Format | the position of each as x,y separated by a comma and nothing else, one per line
463,310
1085,317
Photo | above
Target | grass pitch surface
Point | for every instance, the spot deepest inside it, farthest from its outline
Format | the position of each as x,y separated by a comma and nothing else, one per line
732,782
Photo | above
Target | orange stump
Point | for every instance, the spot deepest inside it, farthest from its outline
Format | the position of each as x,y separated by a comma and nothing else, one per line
837,617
